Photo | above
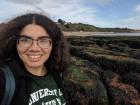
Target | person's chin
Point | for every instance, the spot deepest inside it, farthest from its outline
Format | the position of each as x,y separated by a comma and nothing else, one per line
34,64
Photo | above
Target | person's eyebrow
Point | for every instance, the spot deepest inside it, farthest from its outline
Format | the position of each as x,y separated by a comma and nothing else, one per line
44,37
26,36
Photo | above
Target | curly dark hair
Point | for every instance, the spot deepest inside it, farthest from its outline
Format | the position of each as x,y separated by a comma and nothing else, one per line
59,58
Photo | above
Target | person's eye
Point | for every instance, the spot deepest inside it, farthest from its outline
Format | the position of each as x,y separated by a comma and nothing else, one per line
25,40
44,40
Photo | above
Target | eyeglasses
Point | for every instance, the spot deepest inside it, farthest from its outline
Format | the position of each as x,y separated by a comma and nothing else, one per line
26,41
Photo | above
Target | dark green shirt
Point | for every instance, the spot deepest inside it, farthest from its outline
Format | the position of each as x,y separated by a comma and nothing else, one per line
45,92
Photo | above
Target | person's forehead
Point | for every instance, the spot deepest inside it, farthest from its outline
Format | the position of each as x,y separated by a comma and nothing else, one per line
33,30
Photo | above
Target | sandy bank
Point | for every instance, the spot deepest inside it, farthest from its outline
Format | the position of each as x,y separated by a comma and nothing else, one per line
85,33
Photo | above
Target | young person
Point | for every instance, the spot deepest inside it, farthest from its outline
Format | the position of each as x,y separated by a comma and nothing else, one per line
35,50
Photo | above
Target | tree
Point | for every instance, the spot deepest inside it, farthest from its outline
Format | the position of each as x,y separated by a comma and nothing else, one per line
60,21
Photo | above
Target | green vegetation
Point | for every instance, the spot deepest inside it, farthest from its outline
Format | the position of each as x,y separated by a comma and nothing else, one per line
84,89
104,70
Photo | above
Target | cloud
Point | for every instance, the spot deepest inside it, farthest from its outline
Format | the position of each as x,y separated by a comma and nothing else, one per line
36,2
137,9
61,7
131,22
68,10
10,10
32,2
103,2
134,19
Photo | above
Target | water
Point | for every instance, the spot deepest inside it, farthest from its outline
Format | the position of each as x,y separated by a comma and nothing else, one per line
100,34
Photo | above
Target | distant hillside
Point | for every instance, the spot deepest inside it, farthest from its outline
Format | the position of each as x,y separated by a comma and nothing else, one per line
68,26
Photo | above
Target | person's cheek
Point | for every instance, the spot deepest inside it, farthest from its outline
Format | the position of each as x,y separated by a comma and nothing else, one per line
47,50
21,49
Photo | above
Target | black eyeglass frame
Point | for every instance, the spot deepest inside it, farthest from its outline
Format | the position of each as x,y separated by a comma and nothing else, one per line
41,37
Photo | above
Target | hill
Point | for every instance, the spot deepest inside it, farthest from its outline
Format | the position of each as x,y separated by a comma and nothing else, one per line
68,26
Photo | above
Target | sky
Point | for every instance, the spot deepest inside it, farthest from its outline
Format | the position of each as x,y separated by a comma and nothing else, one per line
100,13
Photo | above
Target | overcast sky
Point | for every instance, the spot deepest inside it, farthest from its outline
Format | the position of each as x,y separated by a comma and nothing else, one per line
101,13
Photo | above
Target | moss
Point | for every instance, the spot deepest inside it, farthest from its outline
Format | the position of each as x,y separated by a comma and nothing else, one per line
78,74
92,88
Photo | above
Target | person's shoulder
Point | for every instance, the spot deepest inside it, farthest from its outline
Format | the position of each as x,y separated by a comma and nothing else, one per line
1,75
2,83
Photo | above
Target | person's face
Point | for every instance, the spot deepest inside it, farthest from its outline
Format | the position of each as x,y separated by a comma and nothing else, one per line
34,46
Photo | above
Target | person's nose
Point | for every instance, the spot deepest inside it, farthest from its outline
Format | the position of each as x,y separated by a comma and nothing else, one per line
34,46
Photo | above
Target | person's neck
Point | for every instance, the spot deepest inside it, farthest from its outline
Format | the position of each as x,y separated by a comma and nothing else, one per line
38,71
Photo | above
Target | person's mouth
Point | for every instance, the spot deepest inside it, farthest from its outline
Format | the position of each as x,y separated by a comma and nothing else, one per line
34,58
